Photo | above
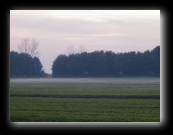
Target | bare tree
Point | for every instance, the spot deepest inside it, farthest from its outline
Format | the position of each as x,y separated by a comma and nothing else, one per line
26,46
81,49
23,46
70,50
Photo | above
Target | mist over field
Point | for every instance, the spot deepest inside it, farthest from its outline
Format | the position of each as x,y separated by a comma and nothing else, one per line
127,80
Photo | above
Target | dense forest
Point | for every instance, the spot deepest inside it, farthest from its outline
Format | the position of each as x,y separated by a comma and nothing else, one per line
23,65
108,64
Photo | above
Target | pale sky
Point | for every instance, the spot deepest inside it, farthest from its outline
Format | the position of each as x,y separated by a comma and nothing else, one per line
57,30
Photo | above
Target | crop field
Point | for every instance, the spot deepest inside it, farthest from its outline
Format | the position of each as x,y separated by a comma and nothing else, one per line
85,100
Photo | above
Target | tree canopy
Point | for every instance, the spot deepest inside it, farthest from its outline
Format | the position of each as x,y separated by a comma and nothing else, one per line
108,64
23,65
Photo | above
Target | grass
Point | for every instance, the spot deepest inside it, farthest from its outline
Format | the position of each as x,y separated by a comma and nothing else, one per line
65,101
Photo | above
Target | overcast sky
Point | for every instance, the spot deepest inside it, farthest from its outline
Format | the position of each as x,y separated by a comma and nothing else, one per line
57,30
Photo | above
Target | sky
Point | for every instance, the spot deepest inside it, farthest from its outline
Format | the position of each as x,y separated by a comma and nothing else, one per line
59,31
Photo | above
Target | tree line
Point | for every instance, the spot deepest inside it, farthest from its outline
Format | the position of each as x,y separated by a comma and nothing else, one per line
89,64
108,64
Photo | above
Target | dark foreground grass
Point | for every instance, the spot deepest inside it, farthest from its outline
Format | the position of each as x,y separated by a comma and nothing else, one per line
85,102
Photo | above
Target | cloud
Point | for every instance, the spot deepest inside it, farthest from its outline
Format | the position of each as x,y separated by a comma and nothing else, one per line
78,27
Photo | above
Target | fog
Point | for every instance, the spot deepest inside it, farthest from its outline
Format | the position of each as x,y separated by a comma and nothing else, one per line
134,80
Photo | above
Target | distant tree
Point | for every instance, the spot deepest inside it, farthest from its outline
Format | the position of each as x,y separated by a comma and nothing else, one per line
108,64
59,67
23,65
28,46
155,58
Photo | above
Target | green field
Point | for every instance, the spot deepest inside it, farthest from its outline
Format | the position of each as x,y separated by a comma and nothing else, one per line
85,100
